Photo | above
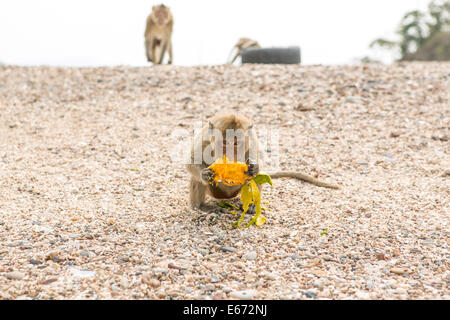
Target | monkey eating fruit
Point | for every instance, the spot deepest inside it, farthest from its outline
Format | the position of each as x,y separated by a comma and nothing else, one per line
225,134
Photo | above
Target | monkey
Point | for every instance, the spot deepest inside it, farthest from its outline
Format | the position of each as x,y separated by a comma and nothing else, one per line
246,147
241,45
158,34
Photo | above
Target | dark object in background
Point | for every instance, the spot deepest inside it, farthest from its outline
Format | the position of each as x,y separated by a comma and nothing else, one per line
290,55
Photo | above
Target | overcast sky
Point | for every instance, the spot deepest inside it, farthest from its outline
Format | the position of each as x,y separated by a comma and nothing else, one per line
111,32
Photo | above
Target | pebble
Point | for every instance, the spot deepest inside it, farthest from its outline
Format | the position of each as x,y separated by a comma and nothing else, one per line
139,227
318,284
155,283
15,275
160,270
269,275
398,270
381,256
84,253
252,255
210,287
48,281
309,294
35,261
82,273
228,249
243,294
124,283
370,285
214,279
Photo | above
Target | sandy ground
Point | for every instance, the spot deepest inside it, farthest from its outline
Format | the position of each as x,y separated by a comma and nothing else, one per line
92,206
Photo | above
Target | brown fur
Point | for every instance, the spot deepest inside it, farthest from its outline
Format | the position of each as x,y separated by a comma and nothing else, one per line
241,45
158,34
199,187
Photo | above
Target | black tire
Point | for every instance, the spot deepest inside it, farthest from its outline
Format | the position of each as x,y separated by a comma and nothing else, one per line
289,55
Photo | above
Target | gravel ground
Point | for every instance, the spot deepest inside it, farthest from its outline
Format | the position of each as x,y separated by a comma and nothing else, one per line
92,207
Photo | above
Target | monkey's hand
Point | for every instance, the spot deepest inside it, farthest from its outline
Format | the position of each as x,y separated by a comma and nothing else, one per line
207,175
253,169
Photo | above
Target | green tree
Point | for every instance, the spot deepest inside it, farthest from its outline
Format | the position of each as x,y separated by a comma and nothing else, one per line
417,27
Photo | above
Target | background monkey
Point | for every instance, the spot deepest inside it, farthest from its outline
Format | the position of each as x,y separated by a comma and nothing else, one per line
202,177
158,34
241,45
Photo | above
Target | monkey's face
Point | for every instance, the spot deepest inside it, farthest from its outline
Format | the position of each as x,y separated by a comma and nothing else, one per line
236,147
162,15
230,147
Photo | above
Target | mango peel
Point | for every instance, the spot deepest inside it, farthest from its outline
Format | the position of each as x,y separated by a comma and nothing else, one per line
232,173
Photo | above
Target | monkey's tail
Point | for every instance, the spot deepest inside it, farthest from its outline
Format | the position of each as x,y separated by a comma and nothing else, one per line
304,177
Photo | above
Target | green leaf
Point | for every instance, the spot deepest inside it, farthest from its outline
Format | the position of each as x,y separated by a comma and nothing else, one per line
260,221
325,231
256,196
224,204
262,178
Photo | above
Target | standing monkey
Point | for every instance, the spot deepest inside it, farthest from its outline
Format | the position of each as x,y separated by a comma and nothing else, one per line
158,34
241,45
244,147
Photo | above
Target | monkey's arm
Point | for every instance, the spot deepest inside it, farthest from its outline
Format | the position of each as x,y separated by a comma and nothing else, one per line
304,177
200,173
148,25
236,54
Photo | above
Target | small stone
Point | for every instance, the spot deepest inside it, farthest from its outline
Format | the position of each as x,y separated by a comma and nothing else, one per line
54,266
82,273
35,261
160,271
124,283
309,294
53,256
362,295
250,255
15,275
243,294
318,284
84,253
16,243
350,100
114,287
398,270
139,227
210,287
48,281
228,249
214,279
155,283
269,276
381,256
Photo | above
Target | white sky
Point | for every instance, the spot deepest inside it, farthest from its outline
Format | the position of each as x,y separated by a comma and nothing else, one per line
111,32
